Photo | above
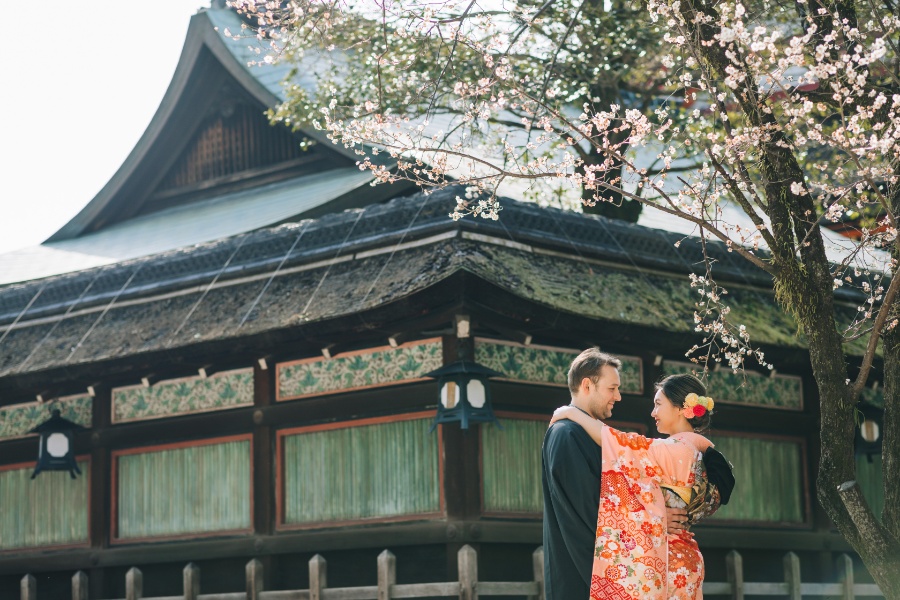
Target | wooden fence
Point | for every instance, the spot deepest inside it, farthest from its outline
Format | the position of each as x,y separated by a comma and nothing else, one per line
467,587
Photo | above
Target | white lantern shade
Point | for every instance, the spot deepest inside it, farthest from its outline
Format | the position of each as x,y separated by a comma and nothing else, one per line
450,394
475,393
57,445
869,431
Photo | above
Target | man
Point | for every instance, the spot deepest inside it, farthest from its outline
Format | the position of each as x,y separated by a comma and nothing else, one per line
571,479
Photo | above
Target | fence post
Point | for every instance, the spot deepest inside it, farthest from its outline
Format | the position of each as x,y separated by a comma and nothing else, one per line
254,574
845,571
537,564
191,582
734,568
792,576
80,586
318,577
28,588
387,574
134,584
467,561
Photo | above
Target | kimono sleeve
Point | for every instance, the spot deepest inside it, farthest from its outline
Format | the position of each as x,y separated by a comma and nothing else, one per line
718,472
571,483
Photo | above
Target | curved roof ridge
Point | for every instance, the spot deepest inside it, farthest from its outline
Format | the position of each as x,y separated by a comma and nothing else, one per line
205,32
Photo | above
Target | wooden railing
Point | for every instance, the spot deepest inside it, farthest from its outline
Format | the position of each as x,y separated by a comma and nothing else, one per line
467,587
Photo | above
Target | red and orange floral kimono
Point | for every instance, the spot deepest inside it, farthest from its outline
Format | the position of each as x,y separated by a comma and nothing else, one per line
634,557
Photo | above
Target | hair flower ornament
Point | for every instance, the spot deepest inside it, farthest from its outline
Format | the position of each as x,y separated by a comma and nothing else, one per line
697,406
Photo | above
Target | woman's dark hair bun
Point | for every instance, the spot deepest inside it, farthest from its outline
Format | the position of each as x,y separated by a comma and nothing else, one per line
677,387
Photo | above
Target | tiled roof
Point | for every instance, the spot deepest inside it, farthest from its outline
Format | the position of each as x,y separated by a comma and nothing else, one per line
182,226
345,263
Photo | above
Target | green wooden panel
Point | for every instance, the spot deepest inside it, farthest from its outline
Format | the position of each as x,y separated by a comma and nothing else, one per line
229,389
747,387
185,490
870,478
538,364
51,510
362,369
370,471
511,466
768,480
18,419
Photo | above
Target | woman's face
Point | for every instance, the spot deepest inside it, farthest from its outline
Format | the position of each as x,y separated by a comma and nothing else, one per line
668,417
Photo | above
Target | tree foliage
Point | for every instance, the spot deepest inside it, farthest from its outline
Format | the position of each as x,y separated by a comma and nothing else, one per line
435,65
786,111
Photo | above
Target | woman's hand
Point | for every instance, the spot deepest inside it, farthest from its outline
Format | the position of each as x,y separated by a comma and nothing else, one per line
563,412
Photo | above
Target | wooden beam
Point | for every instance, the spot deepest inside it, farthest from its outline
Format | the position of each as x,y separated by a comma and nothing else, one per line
263,452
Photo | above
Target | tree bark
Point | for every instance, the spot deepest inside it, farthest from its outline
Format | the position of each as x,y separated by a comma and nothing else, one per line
890,441
803,286
616,206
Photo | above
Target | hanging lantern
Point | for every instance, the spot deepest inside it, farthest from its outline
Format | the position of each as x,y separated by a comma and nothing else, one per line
465,394
869,429
55,452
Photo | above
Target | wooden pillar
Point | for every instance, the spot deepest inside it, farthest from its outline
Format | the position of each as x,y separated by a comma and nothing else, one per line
468,573
100,482
263,450
255,574
80,586
537,564
734,566
318,577
845,572
792,575
28,588
134,584
387,574
460,456
191,582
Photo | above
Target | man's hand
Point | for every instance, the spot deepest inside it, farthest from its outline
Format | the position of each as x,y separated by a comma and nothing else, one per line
676,520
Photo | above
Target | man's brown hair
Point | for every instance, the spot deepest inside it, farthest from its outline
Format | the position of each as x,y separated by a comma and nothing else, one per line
589,364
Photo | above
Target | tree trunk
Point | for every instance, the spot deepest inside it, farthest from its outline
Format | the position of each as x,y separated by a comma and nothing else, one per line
890,440
617,206
803,285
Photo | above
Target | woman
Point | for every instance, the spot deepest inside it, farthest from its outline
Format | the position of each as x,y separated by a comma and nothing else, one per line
634,557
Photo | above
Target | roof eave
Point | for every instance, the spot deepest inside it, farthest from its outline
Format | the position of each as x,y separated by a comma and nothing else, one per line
201,34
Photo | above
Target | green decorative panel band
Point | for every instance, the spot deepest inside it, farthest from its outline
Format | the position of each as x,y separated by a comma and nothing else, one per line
546,365
184,490
871,481
748,388
511,466
372,471
18,419
357,370
769,480
51,510
173,397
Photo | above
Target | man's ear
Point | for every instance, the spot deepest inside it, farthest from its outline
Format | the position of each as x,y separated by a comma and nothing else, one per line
585,386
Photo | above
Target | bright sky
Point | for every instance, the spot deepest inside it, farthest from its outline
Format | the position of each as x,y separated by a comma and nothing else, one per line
79,86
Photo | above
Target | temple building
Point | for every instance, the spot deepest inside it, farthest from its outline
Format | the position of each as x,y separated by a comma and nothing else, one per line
243,324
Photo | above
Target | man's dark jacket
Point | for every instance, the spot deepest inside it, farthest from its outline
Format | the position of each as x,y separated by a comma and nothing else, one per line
571,481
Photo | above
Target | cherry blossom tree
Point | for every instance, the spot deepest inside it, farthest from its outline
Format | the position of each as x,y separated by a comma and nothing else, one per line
786,111
412,67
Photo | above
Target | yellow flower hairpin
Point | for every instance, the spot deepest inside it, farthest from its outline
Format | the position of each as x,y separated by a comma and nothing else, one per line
696,406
